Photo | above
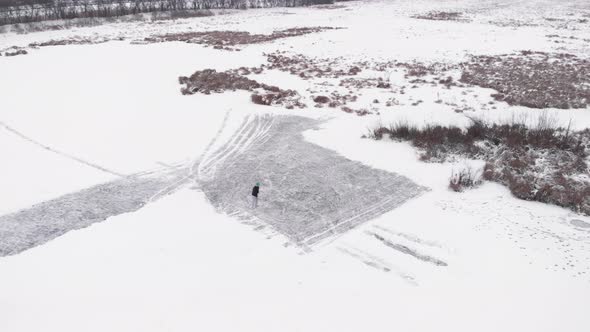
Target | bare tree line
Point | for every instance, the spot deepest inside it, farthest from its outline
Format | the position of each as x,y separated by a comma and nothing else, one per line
13,3
27,11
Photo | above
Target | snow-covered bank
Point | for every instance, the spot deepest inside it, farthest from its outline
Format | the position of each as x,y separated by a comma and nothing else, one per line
177,264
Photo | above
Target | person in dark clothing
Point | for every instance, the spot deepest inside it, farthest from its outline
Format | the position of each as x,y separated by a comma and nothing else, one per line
255,191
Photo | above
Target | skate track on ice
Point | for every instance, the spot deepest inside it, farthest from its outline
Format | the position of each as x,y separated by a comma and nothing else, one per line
308,192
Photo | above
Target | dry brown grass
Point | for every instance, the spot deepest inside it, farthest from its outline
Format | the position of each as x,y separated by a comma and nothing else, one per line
442,16
307,67
533,79
230,39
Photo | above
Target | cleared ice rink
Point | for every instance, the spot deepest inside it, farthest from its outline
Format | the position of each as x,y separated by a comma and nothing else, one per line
307,192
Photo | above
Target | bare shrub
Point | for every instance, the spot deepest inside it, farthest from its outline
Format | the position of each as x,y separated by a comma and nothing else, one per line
402,130
321,99
464,178
521,187
488,171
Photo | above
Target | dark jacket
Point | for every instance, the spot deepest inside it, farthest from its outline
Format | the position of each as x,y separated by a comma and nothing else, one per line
255,191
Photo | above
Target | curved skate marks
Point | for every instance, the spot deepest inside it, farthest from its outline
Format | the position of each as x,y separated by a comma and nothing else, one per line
308,192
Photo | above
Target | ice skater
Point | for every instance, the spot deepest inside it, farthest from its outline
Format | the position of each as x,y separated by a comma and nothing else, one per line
255,191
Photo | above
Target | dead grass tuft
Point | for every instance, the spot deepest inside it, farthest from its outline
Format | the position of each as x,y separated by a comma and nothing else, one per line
210,80
465,178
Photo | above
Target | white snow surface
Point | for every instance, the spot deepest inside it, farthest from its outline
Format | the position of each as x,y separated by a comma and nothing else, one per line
178,265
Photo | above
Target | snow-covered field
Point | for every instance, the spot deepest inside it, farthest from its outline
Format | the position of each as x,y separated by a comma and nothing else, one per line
74,117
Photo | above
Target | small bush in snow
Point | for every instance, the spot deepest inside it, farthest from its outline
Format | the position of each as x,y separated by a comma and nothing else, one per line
464,179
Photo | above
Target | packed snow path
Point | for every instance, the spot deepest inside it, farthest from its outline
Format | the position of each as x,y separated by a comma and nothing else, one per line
45,221
307,192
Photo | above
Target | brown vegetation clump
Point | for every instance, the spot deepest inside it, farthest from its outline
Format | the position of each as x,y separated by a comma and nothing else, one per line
16,52
329,6
288,98
71,41
336,99
391,102
442,16
359,112
419,69
228,39
555,177
248,71
365,83
209,80
533,79
321,99
306,67
311,68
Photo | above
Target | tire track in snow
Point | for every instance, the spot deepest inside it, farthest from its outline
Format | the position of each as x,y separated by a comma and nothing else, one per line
366,261
377,263
409,237
408,251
